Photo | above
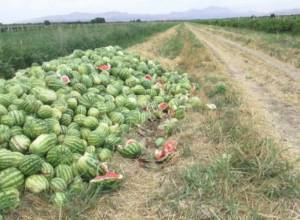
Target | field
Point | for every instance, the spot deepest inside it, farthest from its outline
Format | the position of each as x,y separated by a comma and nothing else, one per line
272,24
17,50
235,160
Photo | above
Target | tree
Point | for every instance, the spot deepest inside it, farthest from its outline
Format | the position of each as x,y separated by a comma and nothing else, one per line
98,20
47,22
272,15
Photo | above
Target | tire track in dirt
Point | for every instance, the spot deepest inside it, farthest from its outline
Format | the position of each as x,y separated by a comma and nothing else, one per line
240,61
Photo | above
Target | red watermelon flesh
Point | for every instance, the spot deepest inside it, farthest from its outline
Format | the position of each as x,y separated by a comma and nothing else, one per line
112,176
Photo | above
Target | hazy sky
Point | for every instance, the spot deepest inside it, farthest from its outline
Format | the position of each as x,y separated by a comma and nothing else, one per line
18,10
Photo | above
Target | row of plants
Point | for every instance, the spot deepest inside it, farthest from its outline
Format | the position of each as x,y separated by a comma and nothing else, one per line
273,24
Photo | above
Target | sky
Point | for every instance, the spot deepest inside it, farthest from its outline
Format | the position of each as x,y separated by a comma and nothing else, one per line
21,10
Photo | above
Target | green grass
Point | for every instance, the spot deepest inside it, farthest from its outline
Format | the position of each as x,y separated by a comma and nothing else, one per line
22,48
173,46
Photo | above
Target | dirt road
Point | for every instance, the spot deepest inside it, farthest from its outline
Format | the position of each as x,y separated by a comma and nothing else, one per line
274,85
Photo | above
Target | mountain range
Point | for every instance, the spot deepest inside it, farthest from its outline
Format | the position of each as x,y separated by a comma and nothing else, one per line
114,16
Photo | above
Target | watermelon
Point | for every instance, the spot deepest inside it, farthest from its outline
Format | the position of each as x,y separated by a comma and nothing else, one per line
64,172
3,110
53,125
45,111
8,120
30,164
117,117
59,155
110,179
19,143
66,119
62,119
36,184
105,154
132,149
88,165
72,103
5,133
44,95
43,143
10,158
91,149
58,185
59,199
90,122
16,130
159,141
47,170
11,178
18,116
9,200
35,127
30,104
168,151
75,144
112,140
78,185
94,112
96,138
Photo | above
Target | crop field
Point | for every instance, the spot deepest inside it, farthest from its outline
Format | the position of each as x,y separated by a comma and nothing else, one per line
273,24
21,48
149,121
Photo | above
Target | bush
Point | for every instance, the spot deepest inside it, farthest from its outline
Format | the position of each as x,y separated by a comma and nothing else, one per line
98,20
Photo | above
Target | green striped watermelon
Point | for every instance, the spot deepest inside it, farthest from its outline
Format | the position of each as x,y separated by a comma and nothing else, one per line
31,164
74,143
64,172
59,155
9,200
47,170
59,199
132,149
58,185
88,165
36,184
11,178
43,143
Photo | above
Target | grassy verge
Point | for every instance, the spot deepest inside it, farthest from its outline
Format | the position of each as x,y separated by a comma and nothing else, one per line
234,169
22,48
172,48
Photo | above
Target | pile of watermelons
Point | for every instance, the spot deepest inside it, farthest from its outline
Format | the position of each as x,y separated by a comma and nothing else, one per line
62,120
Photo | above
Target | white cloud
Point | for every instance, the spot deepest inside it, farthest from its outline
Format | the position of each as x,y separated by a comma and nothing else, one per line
16,10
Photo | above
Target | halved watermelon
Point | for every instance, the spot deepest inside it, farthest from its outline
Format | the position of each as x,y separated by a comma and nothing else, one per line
65,79
110,179
104,67
167,152
163,106
170,146
148,77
